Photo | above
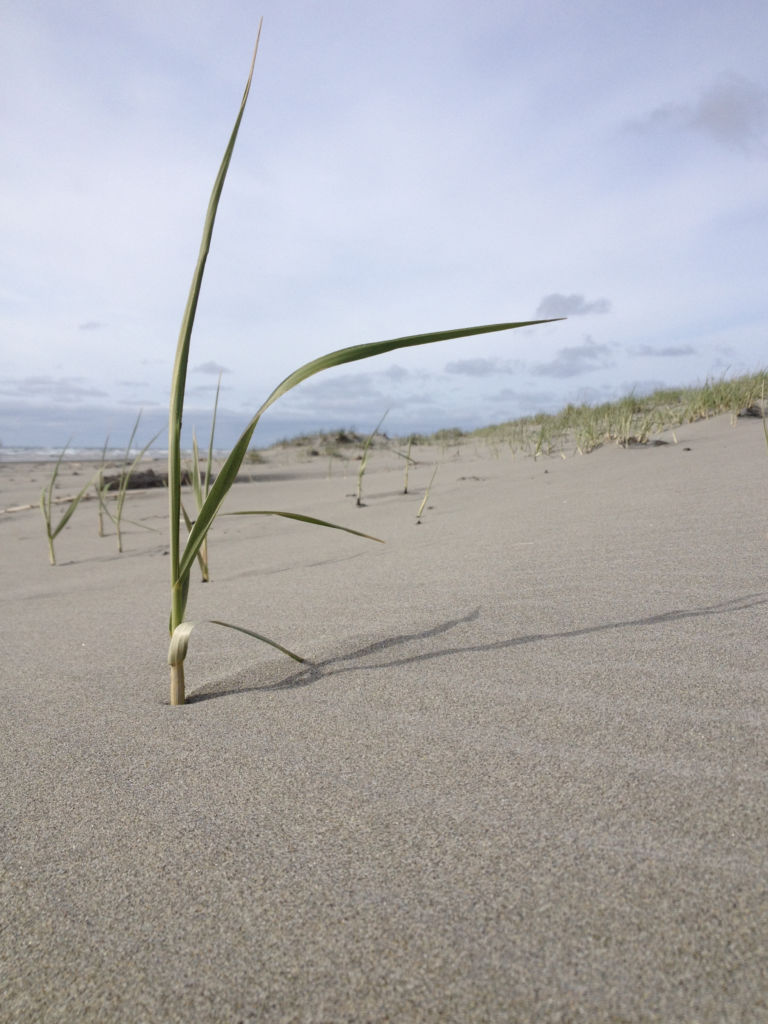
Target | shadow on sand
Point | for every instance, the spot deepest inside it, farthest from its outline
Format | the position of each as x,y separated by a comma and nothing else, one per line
385,652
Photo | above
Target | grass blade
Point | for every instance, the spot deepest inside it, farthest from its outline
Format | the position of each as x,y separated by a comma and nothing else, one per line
426,496
179,378
47,502
305,519
364,459
125,476
209,463
181,562
258,636
177,651
231,467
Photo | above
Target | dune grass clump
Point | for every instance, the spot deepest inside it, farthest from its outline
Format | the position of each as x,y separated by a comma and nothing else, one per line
182,560
630,420
125,473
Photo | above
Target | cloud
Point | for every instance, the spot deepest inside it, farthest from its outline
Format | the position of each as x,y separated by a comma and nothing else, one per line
570,305
210,367
523,403
90,325
668,352
483,367
733,111
397,372
52,389
343,386
145,403
576,359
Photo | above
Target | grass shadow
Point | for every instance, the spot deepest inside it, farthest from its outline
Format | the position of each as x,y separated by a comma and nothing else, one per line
356,660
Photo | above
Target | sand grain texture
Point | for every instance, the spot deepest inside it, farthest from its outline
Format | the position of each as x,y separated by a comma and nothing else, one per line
522,779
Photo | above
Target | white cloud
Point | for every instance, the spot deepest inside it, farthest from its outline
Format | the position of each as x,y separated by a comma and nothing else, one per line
571,305
663,351
574,360
211,367
484,367
63,390
732,111
362,204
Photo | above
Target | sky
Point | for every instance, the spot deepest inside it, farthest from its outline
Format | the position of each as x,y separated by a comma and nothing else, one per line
401,168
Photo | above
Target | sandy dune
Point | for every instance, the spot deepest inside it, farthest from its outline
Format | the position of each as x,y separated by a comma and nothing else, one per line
522,777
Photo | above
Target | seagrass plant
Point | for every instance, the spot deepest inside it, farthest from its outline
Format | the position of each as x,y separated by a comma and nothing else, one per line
181,561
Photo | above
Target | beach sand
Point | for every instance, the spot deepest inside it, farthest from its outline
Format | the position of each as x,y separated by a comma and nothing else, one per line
522,776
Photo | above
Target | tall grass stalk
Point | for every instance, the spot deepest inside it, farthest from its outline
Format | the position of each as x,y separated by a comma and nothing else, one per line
425,499
125,473
101,489
201,486
129,465
409,461
364,458
181,561
47,502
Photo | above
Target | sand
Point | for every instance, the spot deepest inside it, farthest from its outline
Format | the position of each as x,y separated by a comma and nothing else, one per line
522,777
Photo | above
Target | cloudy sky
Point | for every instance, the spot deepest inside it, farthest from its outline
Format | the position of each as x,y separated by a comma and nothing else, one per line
401,167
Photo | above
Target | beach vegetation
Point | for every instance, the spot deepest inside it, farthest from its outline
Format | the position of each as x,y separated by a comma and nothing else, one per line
101,489
48,500
408,459
364,459
182,559
121,482
632,419
201,485
425,499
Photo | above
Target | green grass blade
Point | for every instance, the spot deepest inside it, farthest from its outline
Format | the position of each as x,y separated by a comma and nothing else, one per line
100,487
105,509
125,476
356,352
72,506
200,559
258,636
368,441
197,484
209,463
52,481
231,467
179,378
364,459
285,515
304,519
141,526
177,650
426,494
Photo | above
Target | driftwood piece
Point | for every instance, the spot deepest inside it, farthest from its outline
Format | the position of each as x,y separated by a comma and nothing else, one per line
143,479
